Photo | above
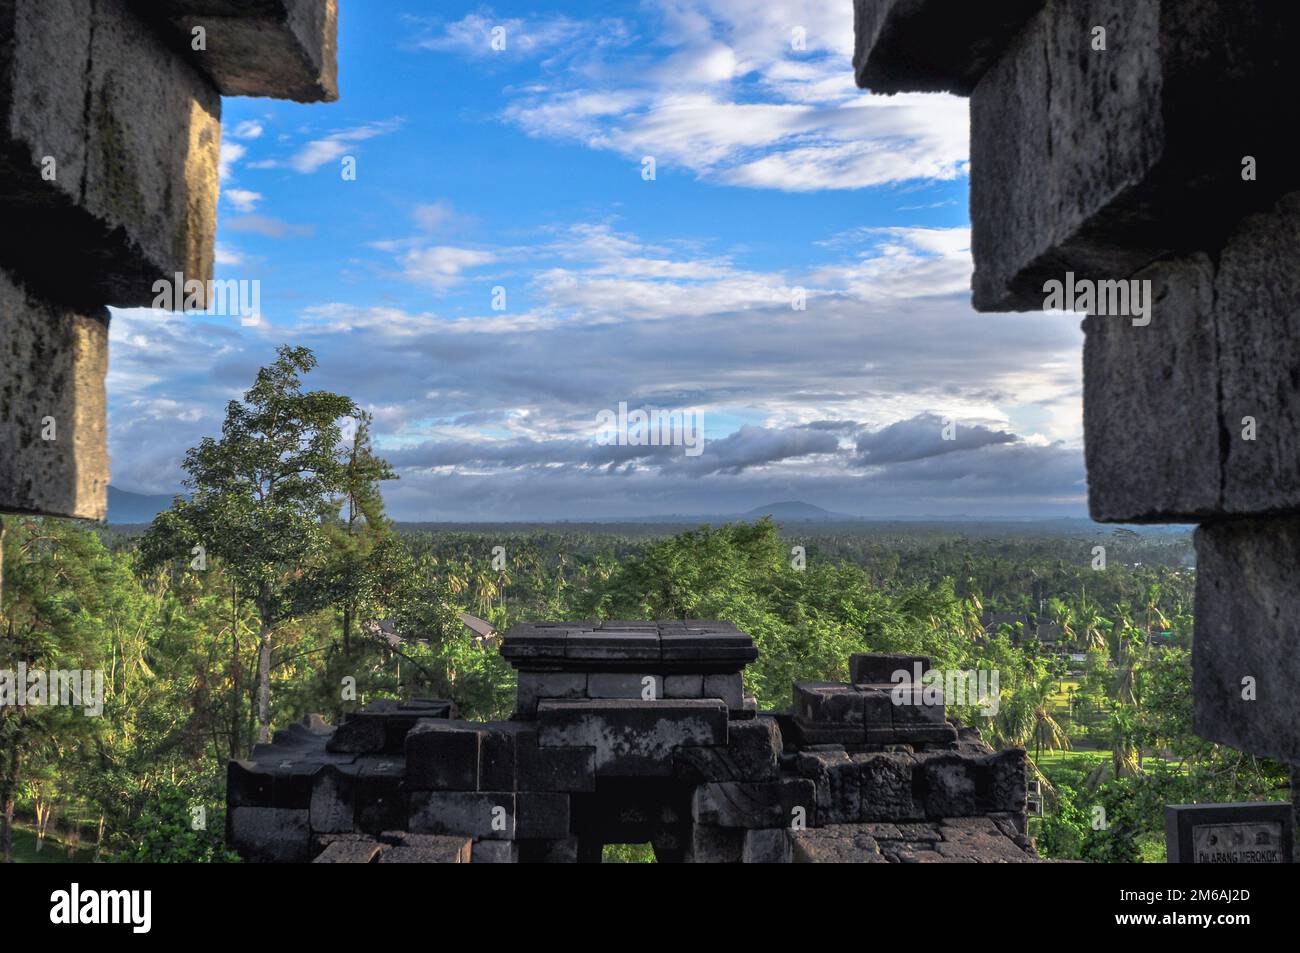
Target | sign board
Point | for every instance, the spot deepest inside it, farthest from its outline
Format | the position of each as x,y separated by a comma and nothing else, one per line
1253,833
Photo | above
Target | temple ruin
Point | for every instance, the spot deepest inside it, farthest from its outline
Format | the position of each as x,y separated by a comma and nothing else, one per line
639,733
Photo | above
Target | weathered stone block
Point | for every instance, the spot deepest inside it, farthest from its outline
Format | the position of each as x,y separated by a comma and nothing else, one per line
381,800
684,686
716,845
1096,161
534,686
838,784
270,835
632,738
1257,314
120,190
1151,402
283,49
497,756
828,703
766,847
886,787
553,769
333,801
443,755
947,785
425,849
729,687
932,46
1246,651
489,815
541,816
879,668
625,685
754,805
752,753
495,852
350,852
835,844
53,361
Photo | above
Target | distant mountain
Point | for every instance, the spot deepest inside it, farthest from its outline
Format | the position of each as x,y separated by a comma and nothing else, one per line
126,508
796,512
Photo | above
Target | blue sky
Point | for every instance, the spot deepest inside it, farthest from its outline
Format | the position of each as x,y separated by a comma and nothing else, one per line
480,170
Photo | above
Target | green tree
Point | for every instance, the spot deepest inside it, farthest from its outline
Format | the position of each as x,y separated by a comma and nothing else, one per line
262,495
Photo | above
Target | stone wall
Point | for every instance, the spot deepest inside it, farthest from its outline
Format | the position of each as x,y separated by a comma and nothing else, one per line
1148,141
110,139
638,732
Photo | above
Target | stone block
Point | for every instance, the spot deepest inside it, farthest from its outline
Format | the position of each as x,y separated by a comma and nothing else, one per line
333,801
381,800
684,686
443,755
625,685
1151,402
729,687
948,784
613,645
350,852
879,668
282,49
766,847
716,845
752,753
130,197
53,362
270,835
497,759
753,805
553,769
835,844
1246,650
541,816
495,852
426,849
828,704
382,726
534,686
885,782
632,738
930,46
1257,314
489,815
563,851
837,778
1097,162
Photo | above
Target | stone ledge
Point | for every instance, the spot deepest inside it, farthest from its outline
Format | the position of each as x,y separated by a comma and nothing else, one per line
53,362
1246,604
109,148
281,49
1100,163
928,46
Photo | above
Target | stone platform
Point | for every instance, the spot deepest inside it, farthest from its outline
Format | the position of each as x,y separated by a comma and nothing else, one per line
637,733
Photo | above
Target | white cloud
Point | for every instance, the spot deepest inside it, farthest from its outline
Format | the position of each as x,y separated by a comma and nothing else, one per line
243,200
231,152
248,129
736,102
442,266
320,152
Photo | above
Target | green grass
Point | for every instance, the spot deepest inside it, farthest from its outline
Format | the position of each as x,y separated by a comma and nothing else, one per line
53,853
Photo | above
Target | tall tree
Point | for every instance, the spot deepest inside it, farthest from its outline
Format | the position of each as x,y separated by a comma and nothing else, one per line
362,539
261,498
